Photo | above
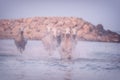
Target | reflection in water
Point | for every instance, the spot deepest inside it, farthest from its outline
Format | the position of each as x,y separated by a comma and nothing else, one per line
32,69
68,75
20,41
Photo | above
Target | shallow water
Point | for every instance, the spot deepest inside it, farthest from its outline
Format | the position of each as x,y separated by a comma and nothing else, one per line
91,61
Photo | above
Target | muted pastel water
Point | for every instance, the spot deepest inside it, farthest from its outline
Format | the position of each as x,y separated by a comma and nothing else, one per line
91,61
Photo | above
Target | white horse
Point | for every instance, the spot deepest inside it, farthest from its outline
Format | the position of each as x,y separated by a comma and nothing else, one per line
56,32
59,37
54,37
47,40
66,46
74,36
20,40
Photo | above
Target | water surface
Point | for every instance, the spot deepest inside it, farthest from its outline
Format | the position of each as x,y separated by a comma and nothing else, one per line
91,61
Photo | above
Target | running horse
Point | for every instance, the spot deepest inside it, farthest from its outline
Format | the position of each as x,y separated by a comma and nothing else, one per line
20,41
66,45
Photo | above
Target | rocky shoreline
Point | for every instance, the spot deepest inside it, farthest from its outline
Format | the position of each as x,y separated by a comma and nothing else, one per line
34,28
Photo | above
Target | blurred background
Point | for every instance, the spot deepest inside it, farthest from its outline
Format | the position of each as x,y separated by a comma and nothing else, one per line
104,12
